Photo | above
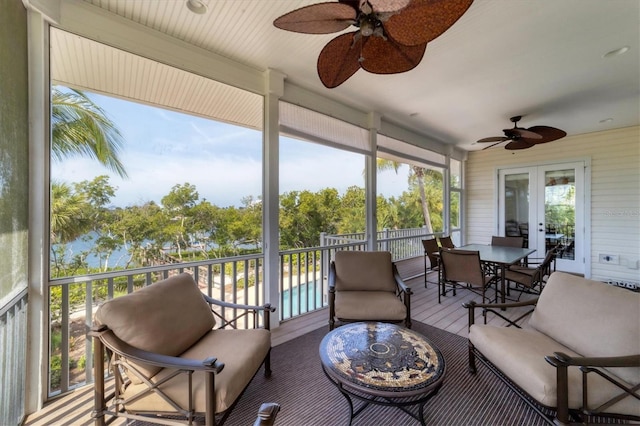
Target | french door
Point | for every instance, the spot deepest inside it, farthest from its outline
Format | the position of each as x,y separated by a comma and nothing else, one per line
545,205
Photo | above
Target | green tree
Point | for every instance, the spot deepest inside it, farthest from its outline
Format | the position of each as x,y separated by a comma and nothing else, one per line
352,211
139,227
179,204
304,215
248,230
80,127
69,220
69,213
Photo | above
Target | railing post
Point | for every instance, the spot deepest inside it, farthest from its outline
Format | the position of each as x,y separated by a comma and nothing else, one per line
385,236
324,267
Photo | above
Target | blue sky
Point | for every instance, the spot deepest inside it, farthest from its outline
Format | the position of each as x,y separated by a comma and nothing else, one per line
164,148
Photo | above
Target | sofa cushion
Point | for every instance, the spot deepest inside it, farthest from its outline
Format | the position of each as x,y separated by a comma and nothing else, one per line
519,354
591,318
380,306
364,270
166,317
241,351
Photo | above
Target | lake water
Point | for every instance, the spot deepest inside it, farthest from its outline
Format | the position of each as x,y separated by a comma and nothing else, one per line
117,258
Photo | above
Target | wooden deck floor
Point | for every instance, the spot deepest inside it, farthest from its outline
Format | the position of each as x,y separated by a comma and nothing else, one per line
75,408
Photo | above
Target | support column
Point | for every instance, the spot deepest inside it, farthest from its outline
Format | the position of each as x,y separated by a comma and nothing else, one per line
371,173
39,118
274,82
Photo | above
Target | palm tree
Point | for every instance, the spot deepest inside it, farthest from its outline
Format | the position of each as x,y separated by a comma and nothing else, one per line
68,213
383,165
80,127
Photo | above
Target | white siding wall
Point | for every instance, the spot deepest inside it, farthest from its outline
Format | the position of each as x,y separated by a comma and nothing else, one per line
615,193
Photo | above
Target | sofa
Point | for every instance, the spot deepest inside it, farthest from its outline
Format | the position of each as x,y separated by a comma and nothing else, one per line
580,334
174,356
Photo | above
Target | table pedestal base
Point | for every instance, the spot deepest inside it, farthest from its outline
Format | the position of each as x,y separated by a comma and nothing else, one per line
367,400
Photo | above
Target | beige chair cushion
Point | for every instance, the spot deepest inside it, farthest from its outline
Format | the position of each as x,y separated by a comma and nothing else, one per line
364,270
241,351
591,318
520,353
369,306
166,317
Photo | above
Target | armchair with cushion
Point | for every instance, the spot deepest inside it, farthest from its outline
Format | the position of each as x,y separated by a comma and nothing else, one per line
366,286
170,359
577,357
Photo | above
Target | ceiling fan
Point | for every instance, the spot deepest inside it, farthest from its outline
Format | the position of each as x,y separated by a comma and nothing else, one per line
391,36
520,138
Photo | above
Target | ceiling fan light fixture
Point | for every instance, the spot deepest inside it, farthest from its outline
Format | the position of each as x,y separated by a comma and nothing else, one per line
367,27
197,6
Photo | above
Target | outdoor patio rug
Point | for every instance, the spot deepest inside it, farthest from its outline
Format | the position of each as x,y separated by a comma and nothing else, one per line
307,398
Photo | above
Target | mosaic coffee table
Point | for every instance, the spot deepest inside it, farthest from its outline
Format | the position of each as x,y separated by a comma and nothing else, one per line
383,364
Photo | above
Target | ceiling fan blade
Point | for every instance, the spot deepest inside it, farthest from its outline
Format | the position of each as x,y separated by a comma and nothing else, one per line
492,145
547,133
321,18
380,56
517,133
424,20
519,144
338,60
494,139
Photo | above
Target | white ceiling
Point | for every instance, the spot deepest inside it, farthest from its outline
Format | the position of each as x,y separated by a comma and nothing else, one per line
542,59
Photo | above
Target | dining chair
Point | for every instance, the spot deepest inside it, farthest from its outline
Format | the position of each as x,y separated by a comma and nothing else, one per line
517,242
532,278
446,242
511,241
431,252
463,269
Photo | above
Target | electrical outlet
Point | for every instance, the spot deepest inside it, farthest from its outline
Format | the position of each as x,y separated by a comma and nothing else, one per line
611,259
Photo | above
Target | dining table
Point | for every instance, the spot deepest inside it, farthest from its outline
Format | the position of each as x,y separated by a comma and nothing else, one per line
501,257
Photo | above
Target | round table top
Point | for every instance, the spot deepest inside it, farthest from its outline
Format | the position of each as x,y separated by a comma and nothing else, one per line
382,358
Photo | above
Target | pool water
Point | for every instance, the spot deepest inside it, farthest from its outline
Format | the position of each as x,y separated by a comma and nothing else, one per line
307,295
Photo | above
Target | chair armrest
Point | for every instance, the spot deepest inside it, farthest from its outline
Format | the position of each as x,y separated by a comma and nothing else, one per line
265,307
267,414
562,362
115,344
332,277
496,308
399,282
471,305
562,359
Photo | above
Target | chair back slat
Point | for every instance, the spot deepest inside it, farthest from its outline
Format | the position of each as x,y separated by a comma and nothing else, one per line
430,249
446,242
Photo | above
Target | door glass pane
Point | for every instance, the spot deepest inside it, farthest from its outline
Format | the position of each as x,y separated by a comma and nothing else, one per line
516,206
560,211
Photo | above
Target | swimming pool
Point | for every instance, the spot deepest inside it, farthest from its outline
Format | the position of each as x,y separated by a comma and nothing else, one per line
306,297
